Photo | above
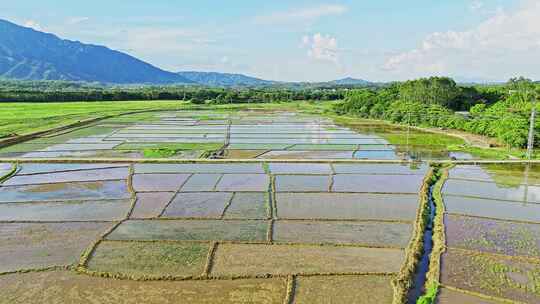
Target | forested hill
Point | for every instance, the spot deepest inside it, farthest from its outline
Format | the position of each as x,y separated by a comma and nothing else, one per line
32,55
224,79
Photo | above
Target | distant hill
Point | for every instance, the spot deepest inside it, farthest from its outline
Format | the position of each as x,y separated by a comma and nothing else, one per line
28,54
349,81
224,79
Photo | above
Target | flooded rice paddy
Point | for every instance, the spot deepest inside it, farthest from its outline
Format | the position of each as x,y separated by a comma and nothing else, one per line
492,226
239,134
278,229
264,230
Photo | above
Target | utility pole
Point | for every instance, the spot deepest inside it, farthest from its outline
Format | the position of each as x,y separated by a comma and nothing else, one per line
530,142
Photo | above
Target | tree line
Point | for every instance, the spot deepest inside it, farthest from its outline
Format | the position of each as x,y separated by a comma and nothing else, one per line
59,91
499,111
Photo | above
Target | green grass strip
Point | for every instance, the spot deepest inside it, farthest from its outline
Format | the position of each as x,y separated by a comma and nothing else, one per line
12,172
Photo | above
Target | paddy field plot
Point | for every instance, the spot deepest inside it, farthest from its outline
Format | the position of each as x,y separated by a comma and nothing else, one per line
240,134
206,232
492,229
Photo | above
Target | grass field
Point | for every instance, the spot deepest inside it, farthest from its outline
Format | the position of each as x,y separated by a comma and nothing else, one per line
24,118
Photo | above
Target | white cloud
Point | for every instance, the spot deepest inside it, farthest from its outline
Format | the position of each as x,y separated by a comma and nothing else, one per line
33,24
322,47
301,15
476,5
76,20
504,43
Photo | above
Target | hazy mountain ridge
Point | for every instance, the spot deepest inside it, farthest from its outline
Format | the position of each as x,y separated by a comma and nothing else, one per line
28,54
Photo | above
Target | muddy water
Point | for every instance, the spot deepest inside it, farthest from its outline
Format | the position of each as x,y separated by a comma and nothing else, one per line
65,211
65,191
346,206
33,245
72,176
334,232
299,183
203,204
159,182
492,208
246,205
494,236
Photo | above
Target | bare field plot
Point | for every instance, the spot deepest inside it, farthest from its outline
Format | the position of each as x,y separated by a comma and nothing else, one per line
202,230
67,287
448,296
246,259
343,289
150,259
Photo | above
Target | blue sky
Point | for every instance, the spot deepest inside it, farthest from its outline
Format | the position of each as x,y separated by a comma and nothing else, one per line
306,40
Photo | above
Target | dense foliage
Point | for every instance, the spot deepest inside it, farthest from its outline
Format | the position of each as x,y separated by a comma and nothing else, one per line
58,91
497,111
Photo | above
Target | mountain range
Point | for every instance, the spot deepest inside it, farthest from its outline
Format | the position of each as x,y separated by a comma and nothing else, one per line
28,54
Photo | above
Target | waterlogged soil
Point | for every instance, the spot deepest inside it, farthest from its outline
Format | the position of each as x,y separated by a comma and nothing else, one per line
307,155
245,205
447,296
349,289
346,206
201,230
201,182
493,209
299,183
199,168
68,287
151,204
494,236
334,232
40,245
83,154
304,147
521,193
283,168
67,177
376,154
416,169
5,168
50,168
259,146
492,276
142,259
243,182
65,191
247,259
159,182
66,211
508,175
198,205
377,183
